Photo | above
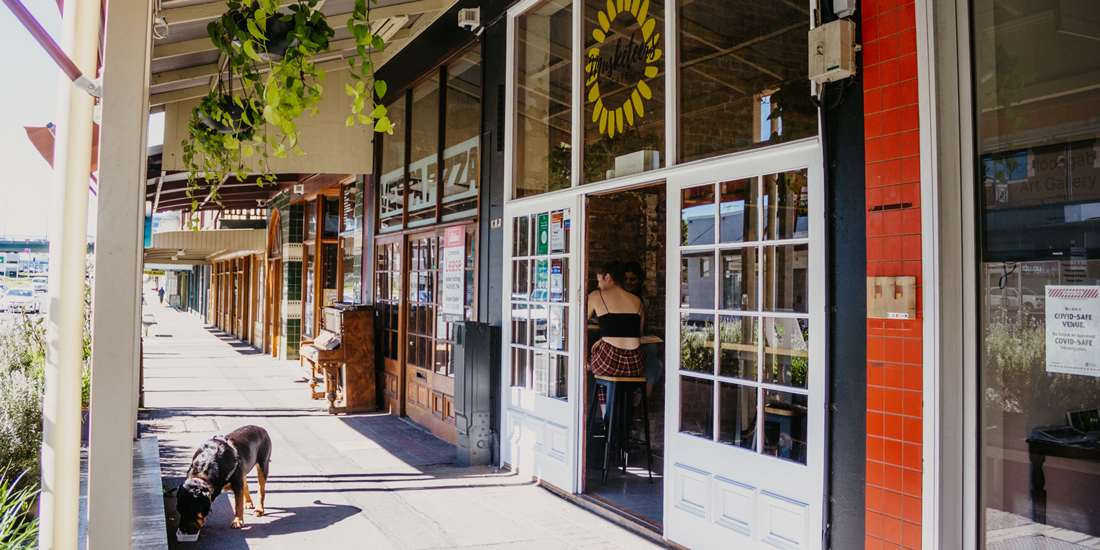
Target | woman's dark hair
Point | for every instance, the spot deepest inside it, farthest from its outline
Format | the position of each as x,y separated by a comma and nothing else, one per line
635,268
615,269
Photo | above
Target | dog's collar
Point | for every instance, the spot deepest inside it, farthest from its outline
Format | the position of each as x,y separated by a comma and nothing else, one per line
234,450
204,483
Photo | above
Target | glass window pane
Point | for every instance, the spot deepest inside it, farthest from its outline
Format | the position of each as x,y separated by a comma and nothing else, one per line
738,213
462,140
540,325
392,181
540,291
786,205
697,215
739,339
737,415
786,351
520,314
311,220
544,84
785,283
559,231
521,237
739,279
519,367
559,280
1037,114
331,217
742,78
423,170
520,291
697,342
697,406
559,377
559,328
351,277
541,370
697,280
785,426
624,106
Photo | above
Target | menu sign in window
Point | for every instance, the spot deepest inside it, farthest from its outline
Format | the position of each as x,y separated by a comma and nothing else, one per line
454,270
1073,318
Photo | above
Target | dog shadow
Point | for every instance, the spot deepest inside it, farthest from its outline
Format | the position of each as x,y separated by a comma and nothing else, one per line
218,533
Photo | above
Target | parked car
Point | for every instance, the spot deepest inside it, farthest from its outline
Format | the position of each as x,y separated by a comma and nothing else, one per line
1031,301
19,299
40,283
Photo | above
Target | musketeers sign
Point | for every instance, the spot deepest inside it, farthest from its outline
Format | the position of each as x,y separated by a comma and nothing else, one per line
631,59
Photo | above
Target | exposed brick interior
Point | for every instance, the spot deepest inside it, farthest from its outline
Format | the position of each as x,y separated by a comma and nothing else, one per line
894,347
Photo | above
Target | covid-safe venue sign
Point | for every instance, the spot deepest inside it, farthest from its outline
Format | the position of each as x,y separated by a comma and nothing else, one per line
1073,319
627,51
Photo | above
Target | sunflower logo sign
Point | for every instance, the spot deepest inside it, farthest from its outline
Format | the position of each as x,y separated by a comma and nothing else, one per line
624,62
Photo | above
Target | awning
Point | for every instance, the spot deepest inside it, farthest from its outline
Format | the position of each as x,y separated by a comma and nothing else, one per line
43,139
204,247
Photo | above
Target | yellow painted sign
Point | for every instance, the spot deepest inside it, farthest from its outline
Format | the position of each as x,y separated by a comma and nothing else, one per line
625,55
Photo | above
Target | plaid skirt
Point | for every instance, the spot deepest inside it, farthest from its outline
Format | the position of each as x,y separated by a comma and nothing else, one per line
608,360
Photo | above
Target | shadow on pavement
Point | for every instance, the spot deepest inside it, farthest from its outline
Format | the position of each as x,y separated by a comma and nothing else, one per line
218,533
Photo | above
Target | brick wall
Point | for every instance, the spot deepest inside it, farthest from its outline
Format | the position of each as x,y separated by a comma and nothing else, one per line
894,347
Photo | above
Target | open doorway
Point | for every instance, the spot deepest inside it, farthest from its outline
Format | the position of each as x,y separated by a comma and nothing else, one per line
629,226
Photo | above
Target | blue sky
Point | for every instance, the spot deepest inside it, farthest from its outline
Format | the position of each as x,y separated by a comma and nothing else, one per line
29,98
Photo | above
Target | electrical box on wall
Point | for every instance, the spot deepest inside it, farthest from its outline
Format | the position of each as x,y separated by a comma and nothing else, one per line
892,297
833,51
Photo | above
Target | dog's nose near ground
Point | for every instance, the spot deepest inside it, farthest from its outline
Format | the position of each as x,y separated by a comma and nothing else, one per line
348,481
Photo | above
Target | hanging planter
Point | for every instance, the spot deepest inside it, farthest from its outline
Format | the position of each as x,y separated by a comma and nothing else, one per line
270,49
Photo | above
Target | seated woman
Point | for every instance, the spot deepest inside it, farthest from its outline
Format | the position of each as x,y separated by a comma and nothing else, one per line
620,316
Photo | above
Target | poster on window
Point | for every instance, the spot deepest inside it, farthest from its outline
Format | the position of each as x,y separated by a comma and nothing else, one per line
1073,318
454,272
557,327
557,233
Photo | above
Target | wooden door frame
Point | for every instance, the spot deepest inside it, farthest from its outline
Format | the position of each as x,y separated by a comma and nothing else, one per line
399,362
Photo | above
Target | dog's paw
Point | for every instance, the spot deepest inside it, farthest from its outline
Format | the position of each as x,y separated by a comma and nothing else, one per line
238,523
258,512
248,505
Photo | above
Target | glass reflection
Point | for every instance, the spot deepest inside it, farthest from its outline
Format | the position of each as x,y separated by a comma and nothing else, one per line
462,152
786,205
697,215
737,415
785,284
392,182
424,153
697,342
544,83
786,351
785,427
697,407
737,212
739,339
742,78
739,279
697,280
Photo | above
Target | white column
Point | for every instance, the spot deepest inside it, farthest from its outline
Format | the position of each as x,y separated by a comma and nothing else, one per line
118,250
59,511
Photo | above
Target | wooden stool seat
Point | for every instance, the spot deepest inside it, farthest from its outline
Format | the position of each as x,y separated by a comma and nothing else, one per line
622,378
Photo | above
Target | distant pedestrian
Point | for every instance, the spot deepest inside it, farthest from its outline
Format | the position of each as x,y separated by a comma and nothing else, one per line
160,294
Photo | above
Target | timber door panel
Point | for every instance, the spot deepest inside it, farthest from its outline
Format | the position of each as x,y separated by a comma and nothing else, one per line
389,307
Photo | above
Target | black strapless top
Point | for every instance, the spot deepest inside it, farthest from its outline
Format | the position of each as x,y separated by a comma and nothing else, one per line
619,325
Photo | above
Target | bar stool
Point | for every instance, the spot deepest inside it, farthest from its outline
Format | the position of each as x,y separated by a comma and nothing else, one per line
616,422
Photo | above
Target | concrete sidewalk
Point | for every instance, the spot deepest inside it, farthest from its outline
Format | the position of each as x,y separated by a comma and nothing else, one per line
360,481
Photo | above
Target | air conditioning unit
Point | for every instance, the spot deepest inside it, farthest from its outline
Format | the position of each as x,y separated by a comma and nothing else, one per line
299,188
469,19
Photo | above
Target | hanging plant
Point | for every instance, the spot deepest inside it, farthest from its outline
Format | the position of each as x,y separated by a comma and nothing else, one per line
269,50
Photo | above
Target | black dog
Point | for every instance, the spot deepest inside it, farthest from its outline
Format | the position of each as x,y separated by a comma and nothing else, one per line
221,464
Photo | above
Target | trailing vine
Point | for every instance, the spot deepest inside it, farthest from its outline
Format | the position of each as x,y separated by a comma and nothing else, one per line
277,82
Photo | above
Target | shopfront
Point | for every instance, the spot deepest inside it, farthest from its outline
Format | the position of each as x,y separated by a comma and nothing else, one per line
428,186
695,157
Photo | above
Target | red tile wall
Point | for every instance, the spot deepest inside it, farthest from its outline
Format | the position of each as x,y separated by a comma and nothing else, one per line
894,347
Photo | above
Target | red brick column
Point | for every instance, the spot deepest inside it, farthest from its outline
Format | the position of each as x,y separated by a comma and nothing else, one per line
894,347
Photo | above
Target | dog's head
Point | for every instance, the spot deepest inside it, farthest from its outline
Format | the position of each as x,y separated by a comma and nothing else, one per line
193,504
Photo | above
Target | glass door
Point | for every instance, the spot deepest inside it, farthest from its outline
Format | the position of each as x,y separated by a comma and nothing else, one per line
542,354
746,388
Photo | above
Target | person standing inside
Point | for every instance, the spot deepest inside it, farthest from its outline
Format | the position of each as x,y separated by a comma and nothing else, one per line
160,294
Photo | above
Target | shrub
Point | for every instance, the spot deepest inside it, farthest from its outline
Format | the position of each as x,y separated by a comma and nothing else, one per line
18,527
21,421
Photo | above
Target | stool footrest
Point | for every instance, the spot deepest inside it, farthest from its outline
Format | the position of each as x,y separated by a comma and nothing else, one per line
621,378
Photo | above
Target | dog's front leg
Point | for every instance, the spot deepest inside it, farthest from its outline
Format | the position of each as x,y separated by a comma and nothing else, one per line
238,510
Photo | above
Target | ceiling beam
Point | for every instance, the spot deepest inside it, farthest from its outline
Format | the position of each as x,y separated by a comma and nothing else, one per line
190,73
187,47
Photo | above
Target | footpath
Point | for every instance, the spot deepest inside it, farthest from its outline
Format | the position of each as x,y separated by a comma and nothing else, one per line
349,481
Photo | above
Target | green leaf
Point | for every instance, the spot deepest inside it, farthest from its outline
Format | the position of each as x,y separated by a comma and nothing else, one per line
271,115
378,112
379,88
254,30
357,107
349,122
383,125
250,52
299,152
377,43
247,151
360,87
350,91
363,118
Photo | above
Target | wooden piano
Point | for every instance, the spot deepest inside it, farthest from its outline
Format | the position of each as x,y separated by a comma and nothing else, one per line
344,354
